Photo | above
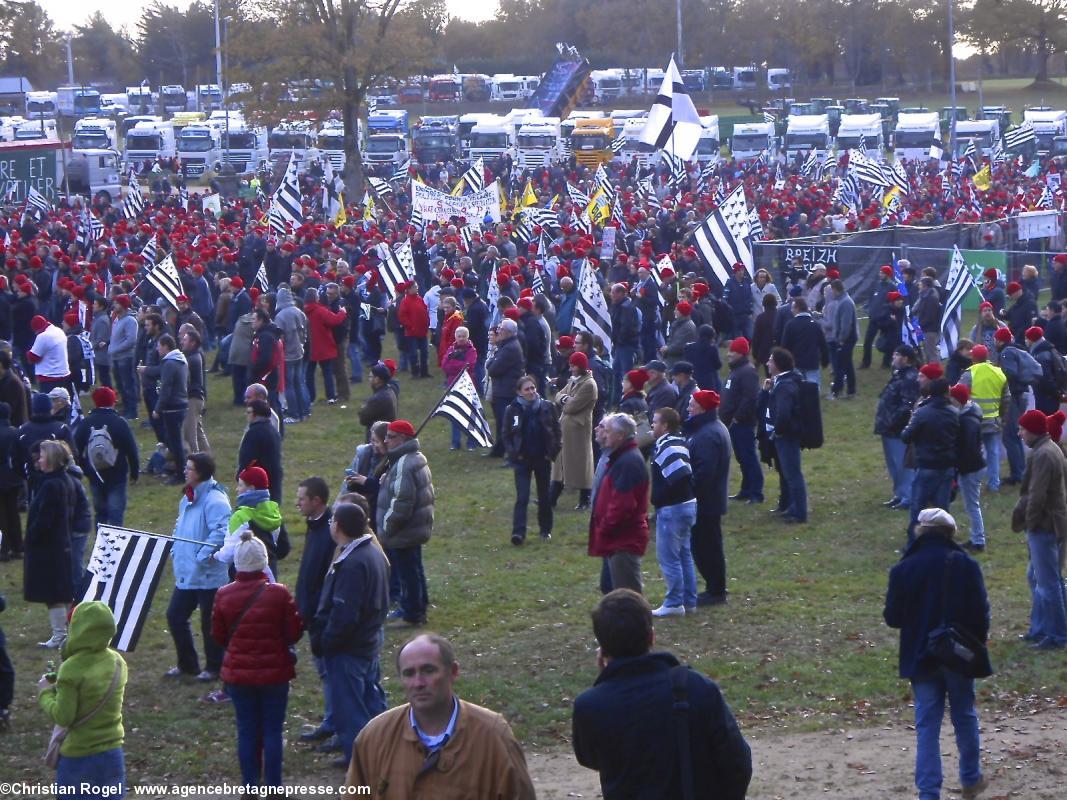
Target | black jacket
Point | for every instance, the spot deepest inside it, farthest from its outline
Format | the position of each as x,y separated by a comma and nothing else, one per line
804,338
896,402
934,430
969,455
10,473
262,444
535,344
505,368
532,433
739,394
315,561
1046,391
353,604
197,388
783,405
709,455
706,361
625,328
625,728
1019,315
32,434
127,464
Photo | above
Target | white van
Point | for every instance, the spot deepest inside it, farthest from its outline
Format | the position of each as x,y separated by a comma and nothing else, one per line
1047,124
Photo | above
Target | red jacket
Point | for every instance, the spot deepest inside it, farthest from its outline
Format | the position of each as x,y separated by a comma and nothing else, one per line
620,509
258,653
321,322
413,315
448,335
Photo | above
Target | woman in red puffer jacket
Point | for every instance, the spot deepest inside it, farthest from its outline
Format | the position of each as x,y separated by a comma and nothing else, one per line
257,622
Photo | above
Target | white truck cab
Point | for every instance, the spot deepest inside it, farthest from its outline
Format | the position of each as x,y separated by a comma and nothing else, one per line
35,129
198,149
1047,123
915,133
709,144
41,104
779,79
983,132
538,143
95,133
148,141
492,138
243,146
607,85
506,86
806,132
867,127
752,138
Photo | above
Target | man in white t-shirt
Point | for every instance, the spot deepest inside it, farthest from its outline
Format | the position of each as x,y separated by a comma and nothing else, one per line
49,355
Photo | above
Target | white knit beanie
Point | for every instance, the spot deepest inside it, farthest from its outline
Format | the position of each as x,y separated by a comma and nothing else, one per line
250,555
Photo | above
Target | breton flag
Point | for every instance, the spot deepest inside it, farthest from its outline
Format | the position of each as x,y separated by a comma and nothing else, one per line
37,201
578,197
660,280
960,282
401,175
276,220
755,226
397,266
466,235
461,405
1019,135
769,118
673,123
867,169
617,144
473,179
133,204
603,184
721,240
381,188
646,195
1046,200
124,572
591,311
899,176
150,252
286,203
261,278
417,220
678,172
164,278
807,169
911,332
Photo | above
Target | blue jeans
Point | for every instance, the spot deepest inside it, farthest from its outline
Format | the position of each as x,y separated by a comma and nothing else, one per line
930,691
296,390
171,422
539,471
1013,445
1048,612
327,380
674,526
794,490
971,491
328,723
407,561
418,354
932,488
357,368
109,502
260,714
991,443
358,697
126,381
457,437
743,438
903,477
100,772
395,590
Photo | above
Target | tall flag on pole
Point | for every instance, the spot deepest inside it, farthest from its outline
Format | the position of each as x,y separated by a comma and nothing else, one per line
37,201
150,252
381,188
133,204
123,572
401,175
911,333
578,197
164,278
473,179
591,311
397,266
646,195
461,405
960,282
722,239
673,124
286,204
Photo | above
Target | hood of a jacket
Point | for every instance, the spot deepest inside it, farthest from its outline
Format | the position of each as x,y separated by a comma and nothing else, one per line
284,298
408,447
92,627
175,355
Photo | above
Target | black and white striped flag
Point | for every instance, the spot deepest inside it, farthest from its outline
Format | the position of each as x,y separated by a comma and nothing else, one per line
807,169
37,202
617,144
372,104
578,197
123,572
960,282
1046,200
646,195
401,175
133,204
900,178
673,124
603,184
461,405
546,218
770,118
286,203
677,170
582,223
1019,135
276,220
466,235
659,280
261,278
396,266
164,278
591,311
417,221
721,240
381,188
755,226
867,169
997,156
473,179
150,252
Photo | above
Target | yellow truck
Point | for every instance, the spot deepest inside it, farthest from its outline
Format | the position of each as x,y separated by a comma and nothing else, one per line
591,141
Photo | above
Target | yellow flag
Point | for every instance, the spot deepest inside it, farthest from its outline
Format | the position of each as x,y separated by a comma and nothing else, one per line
983,179
368,206
529,198
342,213
503,199
418,179
887,198
598,209
458,190
553,201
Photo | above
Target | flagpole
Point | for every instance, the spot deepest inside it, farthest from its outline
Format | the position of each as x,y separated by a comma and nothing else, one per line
437,405
134,532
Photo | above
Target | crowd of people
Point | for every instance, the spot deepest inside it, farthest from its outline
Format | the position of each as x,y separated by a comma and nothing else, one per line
643,425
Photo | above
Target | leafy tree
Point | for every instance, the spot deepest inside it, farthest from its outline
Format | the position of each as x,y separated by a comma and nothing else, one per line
102,53
1040,25
29,44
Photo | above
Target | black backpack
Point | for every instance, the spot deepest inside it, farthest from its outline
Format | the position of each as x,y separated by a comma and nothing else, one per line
809,413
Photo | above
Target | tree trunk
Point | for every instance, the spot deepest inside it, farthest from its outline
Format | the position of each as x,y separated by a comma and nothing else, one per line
1042,56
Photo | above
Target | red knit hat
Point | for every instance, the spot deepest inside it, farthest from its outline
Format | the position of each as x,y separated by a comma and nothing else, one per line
979,353
1034,421
565,342
740,346
707,399
254,476
1003,335
104,397
933,371
579,359
961,393
885,269
71,318
892,297
1014,287
684,308
637,378
38,323
236,282
403,427
1033,333
1055,425
984,305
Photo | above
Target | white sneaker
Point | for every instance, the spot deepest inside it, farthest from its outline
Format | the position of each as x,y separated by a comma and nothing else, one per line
669,611
55,642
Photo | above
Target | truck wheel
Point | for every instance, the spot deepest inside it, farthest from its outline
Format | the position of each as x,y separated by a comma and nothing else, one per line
102,198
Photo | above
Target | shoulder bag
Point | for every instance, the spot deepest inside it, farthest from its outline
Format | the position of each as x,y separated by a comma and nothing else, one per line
59,733
952,646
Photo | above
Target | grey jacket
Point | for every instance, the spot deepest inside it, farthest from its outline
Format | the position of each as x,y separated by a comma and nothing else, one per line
845,325
241,343
682,333
173,382
405,498
101,338
123,337
293,324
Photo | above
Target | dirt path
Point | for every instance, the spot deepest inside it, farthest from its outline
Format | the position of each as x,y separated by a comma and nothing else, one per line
1024,756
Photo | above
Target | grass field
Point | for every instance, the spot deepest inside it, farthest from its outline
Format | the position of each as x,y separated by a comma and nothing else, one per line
801,645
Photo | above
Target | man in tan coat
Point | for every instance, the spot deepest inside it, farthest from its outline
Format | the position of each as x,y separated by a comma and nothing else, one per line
1042,512
436,745
573,468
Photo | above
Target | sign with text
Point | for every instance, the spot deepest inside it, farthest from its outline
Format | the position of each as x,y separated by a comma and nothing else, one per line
475,207
22,167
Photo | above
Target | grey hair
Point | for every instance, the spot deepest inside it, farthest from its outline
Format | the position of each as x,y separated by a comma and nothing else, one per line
621,423
258,389
508,326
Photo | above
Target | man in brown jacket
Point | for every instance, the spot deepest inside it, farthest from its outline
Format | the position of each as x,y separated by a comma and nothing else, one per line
436,745
1042,512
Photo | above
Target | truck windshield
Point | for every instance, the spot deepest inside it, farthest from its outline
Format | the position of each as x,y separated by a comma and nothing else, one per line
385,145
29,133
240,141
852,141
87,103
610,83
589,141
195,144
913,138
85,141
144,141
707,146
495,140
750,142
331,143
35,107
288,141
434,140
815,139
509,86
539,141
1044,141
1059,147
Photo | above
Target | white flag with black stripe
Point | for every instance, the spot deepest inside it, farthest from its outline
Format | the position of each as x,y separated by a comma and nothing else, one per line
473,179
721,240
960,282
1019,135
133,204
150,252
397,266
646,195
401,175
37,202
673,124
461,405
659,280
466,235
164,278
123,572
755,226
677,168
867,169
381,188
603,184
578,197
261,278
591,311
617,144
286,203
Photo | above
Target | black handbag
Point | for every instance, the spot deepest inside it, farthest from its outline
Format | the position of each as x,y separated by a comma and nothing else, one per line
954,647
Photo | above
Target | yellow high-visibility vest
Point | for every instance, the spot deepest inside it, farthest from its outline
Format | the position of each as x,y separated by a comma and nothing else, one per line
987,387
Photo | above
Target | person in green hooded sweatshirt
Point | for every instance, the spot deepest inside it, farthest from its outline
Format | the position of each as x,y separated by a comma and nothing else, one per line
86,697
256,512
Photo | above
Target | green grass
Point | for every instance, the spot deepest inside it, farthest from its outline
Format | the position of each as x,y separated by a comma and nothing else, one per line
801,646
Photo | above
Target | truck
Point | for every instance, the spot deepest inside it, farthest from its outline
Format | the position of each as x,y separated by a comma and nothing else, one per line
1047,123
476,88
389,122
506,86
208,96
806,132
915,133
95,133
591,141
51,169
492,138
529,85
140,100
466,125
445,88
386,150
983,132
129,123
566,128
694,80
35,129
291,138
633,147
198,149
436,139
779,79
183,118
173,97
149,141
708,145
561,86
243,146
41,104
538,143
745,78
331,144
607,85
8,125
75,102
861,126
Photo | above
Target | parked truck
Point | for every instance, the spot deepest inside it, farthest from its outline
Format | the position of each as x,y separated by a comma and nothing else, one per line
708,145
752,138
75,102
53,170
505,87
591,141
243,146
291,139
491,138
149,141
915,134
865,127
1048,123
983,132
445,88
140,99
561,86
41,104
538,143
436,139
95,133
633,147
174,98
208,96
806,132
198,149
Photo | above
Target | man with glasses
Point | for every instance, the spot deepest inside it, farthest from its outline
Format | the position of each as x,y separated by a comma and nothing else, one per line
447,744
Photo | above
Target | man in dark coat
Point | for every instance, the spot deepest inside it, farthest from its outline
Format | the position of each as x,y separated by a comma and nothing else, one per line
709,454
782,423
625,726
12,390
504,368
625,335
805,339
262,446
107,483
738,414
934,430
895,405
42,425
381,405
876,305
1021,313
476,320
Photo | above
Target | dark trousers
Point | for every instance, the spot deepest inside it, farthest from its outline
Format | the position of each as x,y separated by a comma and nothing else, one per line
10,521
340,371
7,675
103,375
151,397
372,347
540,471
708,553
418,354
743,438
413,595
500,410
239,376
844,370
327,379
182,605
394,579
868,343
127,385
171,422
260,714
109,501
